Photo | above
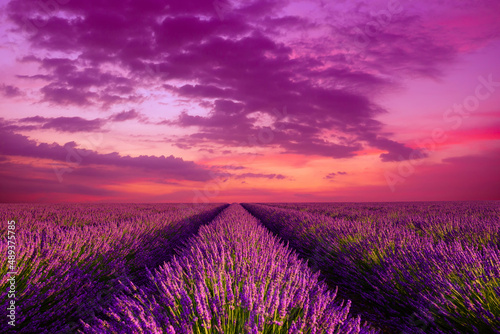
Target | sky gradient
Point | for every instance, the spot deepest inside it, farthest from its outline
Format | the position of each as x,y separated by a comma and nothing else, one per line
249,101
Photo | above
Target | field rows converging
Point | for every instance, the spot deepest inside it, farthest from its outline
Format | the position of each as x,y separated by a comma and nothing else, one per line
396,268
234,276
71,258
414,267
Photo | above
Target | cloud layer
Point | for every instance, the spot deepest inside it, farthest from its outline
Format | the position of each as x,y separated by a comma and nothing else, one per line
240,62
70,157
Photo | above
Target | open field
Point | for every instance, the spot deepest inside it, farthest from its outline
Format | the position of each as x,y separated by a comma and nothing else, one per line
416,267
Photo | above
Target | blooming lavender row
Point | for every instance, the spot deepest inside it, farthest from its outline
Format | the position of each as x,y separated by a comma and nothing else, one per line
70,257
409,280
233,277
477,222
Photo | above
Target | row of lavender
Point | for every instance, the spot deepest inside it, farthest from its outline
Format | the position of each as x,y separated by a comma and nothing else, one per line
233,277
71,257
414,266
477,223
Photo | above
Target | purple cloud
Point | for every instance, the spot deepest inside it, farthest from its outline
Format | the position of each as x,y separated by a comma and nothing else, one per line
20,183
330,176
171,167
75,124
235,64
125,116
9,90
66,124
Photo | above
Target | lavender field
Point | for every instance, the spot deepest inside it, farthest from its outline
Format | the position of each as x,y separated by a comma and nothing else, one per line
414,267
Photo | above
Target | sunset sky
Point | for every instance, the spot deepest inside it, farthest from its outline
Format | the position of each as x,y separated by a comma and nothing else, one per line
249,101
